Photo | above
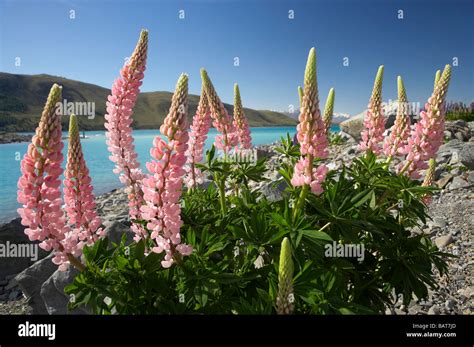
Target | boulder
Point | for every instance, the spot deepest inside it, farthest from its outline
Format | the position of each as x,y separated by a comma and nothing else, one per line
12,233
31,280
52,292
115,230
466,155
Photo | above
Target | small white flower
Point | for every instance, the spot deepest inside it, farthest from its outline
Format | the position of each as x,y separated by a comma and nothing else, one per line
258,263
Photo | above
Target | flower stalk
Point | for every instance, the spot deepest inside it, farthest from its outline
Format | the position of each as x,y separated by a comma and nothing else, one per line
285,296
312,138
374,122
395,143
427,135
197,139
329,110
163,186
118,122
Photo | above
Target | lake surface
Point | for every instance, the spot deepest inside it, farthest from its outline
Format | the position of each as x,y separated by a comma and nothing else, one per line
97,157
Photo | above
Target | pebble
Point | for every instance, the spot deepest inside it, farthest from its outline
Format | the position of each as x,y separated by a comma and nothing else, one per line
443,241
434,310
450,303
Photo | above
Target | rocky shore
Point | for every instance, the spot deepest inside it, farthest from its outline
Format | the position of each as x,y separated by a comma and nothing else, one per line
36,287
13,137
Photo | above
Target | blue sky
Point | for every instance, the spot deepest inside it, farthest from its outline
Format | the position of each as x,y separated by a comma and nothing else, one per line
271,48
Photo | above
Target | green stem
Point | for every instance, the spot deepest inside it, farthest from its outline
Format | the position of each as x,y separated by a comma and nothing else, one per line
221,185
407,165
300,202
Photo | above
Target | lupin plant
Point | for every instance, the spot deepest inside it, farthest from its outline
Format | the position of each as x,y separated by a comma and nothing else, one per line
162,188
197,138
328,111
118,122
240,122
427,135
374,121
285,296
311,136
227,138
395,143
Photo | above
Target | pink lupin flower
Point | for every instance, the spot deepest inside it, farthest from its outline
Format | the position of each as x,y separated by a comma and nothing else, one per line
311,134
197,139
162,188
240,122
38,186
78,196
395,144
374,121
427,135
227,139
120,105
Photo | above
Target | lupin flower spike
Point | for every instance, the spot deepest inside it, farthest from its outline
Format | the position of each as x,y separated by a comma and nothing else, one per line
311,136
162,188
240,122
227,138
285,298
78,196
197,139
118,123
427,135
374,121
429,178
396,142
300,94
328,110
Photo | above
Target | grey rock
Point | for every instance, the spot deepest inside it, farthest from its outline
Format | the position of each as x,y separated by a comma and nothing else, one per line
434,310
470,178
115,230
448,135
52,292
13,233
31,280
273,192
264,152
459,136
439,222
466,155
457,183
449,304
443,241
353,126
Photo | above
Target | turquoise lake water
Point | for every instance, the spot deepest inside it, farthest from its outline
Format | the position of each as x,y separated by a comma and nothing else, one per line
97,157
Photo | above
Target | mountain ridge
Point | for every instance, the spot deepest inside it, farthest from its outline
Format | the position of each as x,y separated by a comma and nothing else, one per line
22,100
